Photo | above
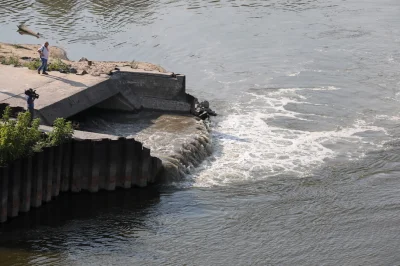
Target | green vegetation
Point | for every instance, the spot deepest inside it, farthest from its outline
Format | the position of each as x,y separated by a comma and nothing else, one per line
34,64
16,137
62,132
12,60
20,138
58,65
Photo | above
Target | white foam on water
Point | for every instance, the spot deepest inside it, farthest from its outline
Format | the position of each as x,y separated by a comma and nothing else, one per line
295,74
388,117
247,147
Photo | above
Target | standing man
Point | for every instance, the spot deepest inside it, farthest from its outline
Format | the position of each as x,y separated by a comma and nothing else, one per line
44,56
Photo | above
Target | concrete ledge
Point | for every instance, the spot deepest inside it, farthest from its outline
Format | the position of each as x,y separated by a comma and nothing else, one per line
166,105
64,95
159,85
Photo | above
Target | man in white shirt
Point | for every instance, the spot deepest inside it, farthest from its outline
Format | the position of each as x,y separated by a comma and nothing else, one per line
44,56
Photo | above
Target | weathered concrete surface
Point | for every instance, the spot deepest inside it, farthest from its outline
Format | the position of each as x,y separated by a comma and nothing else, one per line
148,90
148,84
78,134
64,95
61,95
180,141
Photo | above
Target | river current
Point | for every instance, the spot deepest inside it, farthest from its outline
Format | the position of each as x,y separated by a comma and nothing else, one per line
306,162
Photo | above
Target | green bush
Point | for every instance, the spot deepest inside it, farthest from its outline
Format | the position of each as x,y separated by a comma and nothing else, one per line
58,65
62,132
34,64
19,137
12,60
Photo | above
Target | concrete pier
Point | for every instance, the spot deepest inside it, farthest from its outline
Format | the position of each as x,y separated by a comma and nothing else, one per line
104,160
64,95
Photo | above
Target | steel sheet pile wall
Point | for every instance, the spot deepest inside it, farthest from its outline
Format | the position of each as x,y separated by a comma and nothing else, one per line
78,165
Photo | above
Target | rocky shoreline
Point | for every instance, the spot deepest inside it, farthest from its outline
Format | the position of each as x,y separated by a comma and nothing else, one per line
21,55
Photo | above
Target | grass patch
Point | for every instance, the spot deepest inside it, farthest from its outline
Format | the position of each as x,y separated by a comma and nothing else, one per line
58,65
55,65
34,64
12,60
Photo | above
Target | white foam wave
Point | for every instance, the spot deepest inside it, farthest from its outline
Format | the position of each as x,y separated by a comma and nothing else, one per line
295,74
249,148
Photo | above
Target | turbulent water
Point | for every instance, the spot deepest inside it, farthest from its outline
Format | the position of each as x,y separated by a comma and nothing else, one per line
306,163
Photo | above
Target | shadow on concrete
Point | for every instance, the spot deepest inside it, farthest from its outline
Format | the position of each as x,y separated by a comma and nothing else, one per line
68,81
12,95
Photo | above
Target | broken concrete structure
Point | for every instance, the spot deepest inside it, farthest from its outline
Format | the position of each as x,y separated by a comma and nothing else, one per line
64,95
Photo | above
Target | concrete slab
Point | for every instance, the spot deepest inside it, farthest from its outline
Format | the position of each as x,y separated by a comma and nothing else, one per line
82,134
64,95
52,88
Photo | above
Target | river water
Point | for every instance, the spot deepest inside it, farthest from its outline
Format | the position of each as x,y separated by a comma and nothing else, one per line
306,160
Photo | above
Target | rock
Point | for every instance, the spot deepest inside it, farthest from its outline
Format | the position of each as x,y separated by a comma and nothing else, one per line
211,112
205,104
82,72
83,59
73,70
203,110
26,58
203,115
89,63
75,125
